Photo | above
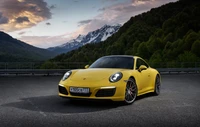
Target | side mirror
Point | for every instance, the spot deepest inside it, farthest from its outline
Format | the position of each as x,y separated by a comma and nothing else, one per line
86,66
142,67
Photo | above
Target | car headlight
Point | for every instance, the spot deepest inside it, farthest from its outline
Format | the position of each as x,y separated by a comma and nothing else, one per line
116,77
66,75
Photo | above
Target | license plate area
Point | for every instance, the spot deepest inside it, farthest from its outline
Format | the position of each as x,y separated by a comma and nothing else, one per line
79,90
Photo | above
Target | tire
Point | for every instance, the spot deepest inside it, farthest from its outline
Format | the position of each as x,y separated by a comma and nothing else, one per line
157,86
130,91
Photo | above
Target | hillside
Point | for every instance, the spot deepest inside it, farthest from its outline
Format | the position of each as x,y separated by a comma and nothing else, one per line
92,37
13,50
170,33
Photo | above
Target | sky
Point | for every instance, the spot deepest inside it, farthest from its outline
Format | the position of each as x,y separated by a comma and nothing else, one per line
48,23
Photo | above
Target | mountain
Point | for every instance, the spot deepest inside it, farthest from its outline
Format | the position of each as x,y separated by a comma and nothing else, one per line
92,37
167,36
13,50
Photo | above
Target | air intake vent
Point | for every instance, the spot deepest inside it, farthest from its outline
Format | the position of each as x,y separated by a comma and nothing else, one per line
105,92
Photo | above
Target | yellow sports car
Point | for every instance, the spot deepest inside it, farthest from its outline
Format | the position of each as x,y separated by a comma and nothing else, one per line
116,77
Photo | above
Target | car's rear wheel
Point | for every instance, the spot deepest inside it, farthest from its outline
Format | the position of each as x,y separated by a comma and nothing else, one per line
131,91
157,86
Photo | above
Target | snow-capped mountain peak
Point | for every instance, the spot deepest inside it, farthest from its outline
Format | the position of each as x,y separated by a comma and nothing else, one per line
92,37
80,38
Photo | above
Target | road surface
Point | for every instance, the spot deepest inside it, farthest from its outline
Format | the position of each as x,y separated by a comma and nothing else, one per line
32,101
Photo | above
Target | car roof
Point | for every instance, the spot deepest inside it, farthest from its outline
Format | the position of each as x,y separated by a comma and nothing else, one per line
122,56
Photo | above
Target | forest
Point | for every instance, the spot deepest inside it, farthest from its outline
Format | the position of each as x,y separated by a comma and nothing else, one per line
164,37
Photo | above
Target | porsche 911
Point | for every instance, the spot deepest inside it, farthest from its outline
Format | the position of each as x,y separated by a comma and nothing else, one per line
115,77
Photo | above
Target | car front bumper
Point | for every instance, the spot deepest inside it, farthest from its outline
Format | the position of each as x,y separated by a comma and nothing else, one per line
110,91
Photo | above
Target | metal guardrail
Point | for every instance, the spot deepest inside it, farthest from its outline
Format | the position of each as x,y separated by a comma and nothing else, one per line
62,71
41,65
178,70
32,71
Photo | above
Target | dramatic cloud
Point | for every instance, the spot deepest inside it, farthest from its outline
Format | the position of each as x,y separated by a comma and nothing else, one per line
83,22
23,13
48,23
3,20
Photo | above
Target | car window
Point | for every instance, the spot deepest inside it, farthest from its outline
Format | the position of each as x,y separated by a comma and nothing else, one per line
114,62
140,62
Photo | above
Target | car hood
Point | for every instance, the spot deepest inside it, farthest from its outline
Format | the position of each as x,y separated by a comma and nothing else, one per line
92,74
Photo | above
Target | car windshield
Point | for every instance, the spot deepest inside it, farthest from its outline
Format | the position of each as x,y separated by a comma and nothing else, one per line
113,62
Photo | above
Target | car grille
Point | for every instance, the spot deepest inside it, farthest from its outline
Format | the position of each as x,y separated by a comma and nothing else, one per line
62,90
105,92
80,94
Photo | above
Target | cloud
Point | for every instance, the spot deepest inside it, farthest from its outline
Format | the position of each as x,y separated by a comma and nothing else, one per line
83,22
102,9
48,23
3,20
22,19
23,13
52,7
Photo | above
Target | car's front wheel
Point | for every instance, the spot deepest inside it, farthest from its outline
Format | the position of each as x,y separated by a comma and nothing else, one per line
157,86
131,91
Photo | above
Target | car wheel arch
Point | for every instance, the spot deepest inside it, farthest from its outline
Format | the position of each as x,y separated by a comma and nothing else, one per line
156,76
134,80
155,84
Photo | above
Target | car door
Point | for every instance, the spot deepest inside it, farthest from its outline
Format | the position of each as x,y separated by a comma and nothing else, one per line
143,76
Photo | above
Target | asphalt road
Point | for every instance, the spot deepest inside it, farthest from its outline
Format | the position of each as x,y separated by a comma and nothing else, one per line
33,101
